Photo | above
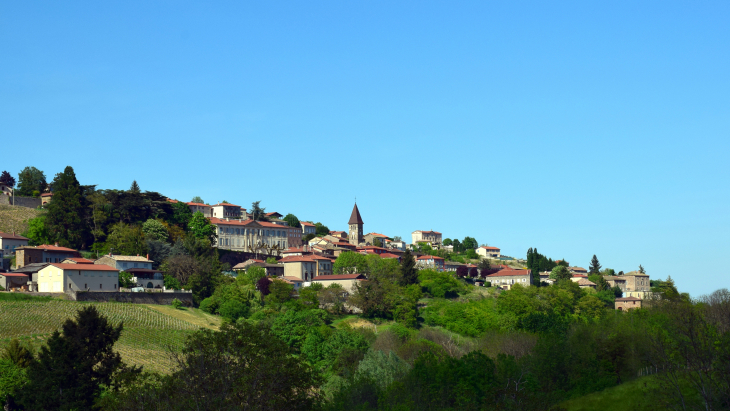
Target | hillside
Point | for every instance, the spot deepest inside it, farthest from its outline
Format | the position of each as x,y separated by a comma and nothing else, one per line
16,218
630,396
148,329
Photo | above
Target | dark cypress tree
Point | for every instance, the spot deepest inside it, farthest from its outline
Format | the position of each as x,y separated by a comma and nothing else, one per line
409,272
7,179
595,266
67,211
135,187
71,369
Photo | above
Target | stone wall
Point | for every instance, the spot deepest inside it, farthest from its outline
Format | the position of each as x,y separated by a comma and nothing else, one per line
28,202
136,298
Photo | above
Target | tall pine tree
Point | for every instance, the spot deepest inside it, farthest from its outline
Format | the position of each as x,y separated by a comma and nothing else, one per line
409,272
135,187
595,267
67,211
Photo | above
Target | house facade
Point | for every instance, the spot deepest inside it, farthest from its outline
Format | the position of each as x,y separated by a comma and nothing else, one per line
301,267
627,303
205,209
46,198
346,281
430,261
14,281
59,278
431,237
9,242
308,228
633,281
125,262
489,252
42,254
244,235
225,210
507,277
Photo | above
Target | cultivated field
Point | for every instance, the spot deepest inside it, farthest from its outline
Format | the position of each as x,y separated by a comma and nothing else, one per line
16,218
148,330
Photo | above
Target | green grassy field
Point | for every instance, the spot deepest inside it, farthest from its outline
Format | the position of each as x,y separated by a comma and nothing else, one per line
149,330
631,396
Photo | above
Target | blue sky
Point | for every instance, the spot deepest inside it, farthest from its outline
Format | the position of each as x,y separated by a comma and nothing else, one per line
578,128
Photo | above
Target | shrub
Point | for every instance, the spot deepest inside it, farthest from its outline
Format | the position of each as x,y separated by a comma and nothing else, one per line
233,310
209,305
176,304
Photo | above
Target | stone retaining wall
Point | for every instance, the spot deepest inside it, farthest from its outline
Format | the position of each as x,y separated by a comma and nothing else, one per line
28,202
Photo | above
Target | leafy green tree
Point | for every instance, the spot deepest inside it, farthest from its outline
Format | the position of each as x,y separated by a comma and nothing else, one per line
409,272
31,179
484,265
12,380
560,273
377,242
126,239
271,260
197,199
125,280
382,368
201,228
439,284
333,298
279,293
292,220
171,283
458,248
37,231
322,229
308,237
75,365
595,266
155,230
350,262
293,325
397,238
258,213
641,269
17,353
448,241
181,214
7,179
66,213
469,243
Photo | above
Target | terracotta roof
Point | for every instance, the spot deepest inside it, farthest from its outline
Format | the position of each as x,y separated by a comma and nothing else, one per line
427,232
84,267
198,204
628,299
47,195
371,247
47,247
297,259
13,275
507,273
429,257
338,277
355,216
292,279
9,236
583,281
377,235
580,276
226,204
81,260
489,248
220,221
272,213
389,255
306,223
577,269
635,274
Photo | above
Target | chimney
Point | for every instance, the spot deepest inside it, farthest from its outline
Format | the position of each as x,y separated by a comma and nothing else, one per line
55,244
148,256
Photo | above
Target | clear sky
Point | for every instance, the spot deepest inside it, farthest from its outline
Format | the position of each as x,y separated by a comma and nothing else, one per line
578,128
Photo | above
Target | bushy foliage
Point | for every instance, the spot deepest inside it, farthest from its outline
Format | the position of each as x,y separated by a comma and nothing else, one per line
155,230
439,284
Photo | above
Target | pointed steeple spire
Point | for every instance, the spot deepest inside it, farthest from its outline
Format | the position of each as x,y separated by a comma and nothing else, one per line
355,217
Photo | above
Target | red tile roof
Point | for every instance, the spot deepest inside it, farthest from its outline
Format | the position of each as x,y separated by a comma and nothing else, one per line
428,232
9,236
215,220
377,235
292,279
226,204
429,257
84,267
509,272
489,248
580,276
48,247
47,195
389,255
13,275
306,223
198,204
338,277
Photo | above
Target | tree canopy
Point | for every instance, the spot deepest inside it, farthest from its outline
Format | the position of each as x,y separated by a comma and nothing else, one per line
292,220
7,179
31,180
258,213
595,266
201,228
350,262
66,213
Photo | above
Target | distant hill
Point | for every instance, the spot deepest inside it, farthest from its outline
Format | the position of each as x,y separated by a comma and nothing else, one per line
16,218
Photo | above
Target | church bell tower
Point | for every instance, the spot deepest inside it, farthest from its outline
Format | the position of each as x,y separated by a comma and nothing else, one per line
355,223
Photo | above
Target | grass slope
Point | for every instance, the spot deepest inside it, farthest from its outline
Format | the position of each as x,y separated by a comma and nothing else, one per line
630,396
16,218
148,330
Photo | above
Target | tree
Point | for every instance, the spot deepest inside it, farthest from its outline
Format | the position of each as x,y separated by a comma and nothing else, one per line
279,292
66,213
377,242
560,273
31,179
126,239
37,231
641,269
308,237
322,229
72,368
171,283
350,262
473,272
409,272
135,188
181,214
448,241
201,228
17,353
263,286
125,280
154,230
7,179
457,246
469,243
397,238
198,200
258,213
484,265
462,271
181,268
292,220
595,266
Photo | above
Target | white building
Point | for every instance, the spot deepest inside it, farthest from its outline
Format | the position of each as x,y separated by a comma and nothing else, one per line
59,278
488,252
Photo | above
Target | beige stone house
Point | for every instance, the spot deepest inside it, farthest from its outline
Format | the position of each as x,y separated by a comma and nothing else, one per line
46,198
507,277
9,242
370,238
302,267
240,235
584,282
125,262
346,281
59,278
630,282
42,254
205,209
627,303
433,238
488,252
308,228
272,270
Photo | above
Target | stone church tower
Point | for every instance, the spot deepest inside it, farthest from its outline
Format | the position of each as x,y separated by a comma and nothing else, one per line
355,237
